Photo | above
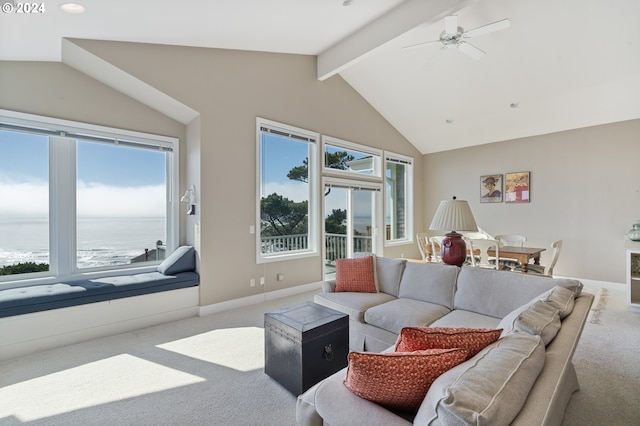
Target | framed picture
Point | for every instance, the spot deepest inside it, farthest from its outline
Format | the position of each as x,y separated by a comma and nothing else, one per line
517,189
491,189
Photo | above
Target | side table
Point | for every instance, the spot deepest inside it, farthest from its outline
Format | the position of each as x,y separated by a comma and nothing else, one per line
304,344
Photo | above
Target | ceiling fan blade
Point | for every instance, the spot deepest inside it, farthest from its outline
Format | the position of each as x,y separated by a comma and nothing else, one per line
470,50
413,46
489,28
451,24
433,59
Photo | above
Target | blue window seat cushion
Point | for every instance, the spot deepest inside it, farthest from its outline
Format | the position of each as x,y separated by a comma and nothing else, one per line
19,299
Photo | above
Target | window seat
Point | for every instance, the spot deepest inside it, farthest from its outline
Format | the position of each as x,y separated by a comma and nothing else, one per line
175,272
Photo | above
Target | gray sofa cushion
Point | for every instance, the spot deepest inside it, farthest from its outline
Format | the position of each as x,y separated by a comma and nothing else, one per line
181,260
429,282
388,272
398,313
460,318
491,292
488,389
352,304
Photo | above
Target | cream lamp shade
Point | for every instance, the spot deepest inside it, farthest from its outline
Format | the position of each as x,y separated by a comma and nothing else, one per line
453,215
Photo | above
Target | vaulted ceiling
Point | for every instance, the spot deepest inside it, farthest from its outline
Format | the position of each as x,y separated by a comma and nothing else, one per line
562,64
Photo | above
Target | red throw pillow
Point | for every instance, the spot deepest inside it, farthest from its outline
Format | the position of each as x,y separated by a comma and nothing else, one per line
421,338
355,275
398,380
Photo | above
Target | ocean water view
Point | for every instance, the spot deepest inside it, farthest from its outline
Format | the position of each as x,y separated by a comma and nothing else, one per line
100,241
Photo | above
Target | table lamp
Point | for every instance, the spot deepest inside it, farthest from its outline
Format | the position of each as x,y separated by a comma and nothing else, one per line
453,215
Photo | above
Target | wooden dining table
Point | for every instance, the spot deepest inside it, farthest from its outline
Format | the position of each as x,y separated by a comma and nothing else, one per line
521,254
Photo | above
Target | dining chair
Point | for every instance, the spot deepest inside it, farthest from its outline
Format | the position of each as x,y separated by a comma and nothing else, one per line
436,243
512,240
422,239
475,235
482,245
479,234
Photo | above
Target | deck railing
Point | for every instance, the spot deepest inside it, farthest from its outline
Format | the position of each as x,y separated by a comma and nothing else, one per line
335,244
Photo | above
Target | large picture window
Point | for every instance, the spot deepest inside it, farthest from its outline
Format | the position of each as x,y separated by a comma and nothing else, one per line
287,191
82,198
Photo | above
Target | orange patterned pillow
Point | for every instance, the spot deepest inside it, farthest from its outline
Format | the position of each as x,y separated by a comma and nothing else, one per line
398,380
355,275
471,339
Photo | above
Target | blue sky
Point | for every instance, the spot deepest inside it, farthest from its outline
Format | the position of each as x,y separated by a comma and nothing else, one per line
112,180
26,155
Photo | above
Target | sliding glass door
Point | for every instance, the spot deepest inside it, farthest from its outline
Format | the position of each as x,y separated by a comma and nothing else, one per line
350,220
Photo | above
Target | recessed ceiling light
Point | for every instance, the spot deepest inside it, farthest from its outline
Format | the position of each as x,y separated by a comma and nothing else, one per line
72,7
448,121
347,2
514,105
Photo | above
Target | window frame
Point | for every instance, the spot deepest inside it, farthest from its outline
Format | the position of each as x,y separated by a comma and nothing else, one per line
313,192
409,204
63,135
352,146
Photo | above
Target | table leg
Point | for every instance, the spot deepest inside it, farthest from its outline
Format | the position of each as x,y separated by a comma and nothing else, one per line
524,262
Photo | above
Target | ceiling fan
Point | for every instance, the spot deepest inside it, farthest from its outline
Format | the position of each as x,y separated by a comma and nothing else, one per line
454,36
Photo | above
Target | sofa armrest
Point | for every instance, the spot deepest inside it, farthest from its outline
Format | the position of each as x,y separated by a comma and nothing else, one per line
337,405
329,286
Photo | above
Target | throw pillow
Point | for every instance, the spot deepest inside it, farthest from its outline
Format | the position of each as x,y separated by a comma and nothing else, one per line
355,275
398,380
540,319
490,390
181,260
473,340
561,298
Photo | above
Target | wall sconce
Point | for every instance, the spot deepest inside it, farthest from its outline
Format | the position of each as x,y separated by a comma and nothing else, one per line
189,197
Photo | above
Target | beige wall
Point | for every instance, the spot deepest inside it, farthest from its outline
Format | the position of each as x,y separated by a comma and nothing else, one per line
229,89
585,190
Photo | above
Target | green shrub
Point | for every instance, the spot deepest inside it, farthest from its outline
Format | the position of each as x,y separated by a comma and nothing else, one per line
24,268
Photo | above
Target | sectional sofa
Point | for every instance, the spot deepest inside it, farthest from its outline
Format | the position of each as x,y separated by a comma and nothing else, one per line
526,377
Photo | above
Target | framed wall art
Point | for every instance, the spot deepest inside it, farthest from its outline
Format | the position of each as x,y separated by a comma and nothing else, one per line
517,188
491,189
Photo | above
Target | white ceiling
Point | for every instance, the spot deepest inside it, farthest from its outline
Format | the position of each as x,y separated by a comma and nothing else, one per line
566,63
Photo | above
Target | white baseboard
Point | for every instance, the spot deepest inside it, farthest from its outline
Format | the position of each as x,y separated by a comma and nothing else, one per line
595,284
259,298
28,333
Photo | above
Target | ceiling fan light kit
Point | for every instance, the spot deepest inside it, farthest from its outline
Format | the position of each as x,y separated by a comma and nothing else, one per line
454,36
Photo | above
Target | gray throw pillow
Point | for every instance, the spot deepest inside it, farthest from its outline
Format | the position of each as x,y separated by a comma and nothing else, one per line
540,319
489,389
562,299
181,260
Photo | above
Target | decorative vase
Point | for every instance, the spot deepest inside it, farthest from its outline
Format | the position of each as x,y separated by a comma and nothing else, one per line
634,234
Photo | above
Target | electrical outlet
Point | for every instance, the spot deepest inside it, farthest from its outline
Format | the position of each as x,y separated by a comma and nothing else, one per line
261,280
280,277
252,282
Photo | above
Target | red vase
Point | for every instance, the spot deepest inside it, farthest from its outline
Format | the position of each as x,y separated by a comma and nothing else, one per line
453,249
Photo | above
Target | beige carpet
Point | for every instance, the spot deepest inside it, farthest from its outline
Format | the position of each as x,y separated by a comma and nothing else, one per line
608,366
209,371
